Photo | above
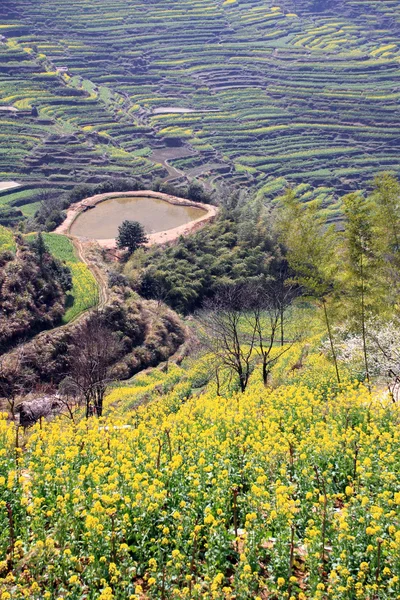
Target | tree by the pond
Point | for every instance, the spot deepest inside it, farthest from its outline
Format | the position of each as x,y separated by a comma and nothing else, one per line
131,235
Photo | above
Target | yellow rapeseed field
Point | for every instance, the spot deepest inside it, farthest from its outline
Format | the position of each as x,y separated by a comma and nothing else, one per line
291,492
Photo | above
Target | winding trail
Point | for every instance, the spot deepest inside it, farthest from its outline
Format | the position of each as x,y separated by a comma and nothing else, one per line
97,272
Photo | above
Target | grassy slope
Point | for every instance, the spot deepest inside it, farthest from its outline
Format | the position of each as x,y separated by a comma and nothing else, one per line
84,293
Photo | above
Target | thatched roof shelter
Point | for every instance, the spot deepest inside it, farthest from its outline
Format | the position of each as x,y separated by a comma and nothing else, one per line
30,411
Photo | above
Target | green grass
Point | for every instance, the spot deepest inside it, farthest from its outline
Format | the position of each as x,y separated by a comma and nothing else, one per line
84,293
29,210
61,247
7,241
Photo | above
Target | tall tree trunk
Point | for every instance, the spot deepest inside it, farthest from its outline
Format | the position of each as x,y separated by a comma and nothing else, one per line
99,402
218,381
363,327
242,377
99,408
265,371
328,326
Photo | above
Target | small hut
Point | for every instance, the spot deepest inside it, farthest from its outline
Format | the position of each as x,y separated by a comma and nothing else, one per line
31,411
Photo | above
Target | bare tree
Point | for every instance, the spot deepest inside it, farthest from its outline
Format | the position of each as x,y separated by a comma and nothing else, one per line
243,322
282,291
69,398
15,378
94,350
268,310
230,332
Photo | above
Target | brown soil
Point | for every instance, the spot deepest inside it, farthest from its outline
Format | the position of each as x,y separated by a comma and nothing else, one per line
8,185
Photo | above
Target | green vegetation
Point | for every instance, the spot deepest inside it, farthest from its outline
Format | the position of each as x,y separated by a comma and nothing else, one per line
234,249
352,273
131,236
304,92
84,292
60,246
33,287
7,241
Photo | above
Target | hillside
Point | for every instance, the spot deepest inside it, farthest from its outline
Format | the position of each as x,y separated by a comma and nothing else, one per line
84,291
63,280
33,288
244,92
199,300
271,494
258,460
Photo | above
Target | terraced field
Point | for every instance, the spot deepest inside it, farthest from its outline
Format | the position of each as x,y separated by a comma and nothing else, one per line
306,91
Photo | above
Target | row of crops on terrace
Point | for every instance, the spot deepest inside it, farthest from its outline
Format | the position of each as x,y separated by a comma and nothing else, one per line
307,91
71,138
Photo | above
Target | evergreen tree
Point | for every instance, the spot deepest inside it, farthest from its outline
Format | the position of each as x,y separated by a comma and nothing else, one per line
131,235
40,249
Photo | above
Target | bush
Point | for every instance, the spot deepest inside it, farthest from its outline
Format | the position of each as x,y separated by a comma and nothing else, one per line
33,287
116,279
233,249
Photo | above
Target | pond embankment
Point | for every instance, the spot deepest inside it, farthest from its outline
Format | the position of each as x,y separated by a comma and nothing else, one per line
208,212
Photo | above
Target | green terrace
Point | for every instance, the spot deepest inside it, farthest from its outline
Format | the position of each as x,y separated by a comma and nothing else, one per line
301,91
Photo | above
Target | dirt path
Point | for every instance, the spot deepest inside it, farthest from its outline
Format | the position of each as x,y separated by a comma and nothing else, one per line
97,273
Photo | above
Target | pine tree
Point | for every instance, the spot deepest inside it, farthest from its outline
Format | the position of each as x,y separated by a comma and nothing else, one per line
131,235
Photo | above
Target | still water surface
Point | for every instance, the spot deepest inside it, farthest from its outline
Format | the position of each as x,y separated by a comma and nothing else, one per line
102,221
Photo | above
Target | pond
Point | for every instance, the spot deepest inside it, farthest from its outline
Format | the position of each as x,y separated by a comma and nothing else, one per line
102,221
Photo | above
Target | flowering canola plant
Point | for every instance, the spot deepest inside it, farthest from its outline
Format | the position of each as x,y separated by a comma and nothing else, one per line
290,493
